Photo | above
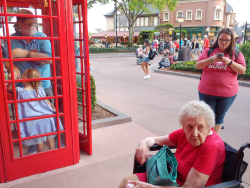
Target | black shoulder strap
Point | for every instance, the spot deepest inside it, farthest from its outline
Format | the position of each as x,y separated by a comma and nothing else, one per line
210,51
236,52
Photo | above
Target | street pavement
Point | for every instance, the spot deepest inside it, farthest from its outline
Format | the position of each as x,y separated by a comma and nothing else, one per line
153,105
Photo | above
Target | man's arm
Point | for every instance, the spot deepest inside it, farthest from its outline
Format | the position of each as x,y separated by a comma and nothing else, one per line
21,53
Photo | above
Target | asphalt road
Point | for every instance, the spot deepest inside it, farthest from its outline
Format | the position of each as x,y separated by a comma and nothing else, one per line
154,104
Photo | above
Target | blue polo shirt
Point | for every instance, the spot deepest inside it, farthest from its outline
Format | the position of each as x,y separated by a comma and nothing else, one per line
40,46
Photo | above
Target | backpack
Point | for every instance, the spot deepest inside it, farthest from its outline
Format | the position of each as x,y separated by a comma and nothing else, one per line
197,45
151,54
237,52
175,58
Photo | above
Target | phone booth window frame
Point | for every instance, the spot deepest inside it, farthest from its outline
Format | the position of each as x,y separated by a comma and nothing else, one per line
68,80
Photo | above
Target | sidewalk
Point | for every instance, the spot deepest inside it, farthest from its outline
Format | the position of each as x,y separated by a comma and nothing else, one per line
110,162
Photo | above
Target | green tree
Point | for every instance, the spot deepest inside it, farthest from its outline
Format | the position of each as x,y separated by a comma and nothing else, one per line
98,30
92,2
134,8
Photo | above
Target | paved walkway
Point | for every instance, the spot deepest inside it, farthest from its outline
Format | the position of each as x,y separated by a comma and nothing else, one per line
153,105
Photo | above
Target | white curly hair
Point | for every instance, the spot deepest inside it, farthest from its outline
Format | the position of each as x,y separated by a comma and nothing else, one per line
195,109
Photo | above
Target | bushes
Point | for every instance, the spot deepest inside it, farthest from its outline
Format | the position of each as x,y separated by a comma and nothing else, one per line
185,66
190,66
93,91
245,50
97,50
121,49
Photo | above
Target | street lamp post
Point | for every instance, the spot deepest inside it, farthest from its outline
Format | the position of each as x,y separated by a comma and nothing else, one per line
115,24
164,35
245,33
207,29
124,39
180,19
242,31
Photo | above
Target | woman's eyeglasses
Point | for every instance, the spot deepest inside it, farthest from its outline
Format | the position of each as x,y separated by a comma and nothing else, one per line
222,40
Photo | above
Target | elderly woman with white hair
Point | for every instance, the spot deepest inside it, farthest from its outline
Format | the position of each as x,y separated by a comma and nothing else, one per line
200,151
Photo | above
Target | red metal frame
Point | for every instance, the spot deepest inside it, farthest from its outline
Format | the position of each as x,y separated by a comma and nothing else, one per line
14,168
85,136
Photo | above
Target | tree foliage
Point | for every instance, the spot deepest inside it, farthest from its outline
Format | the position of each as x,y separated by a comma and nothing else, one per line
134,8
164,26
148,33
92,2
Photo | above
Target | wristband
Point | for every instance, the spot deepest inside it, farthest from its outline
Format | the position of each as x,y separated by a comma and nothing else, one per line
211,60
230,63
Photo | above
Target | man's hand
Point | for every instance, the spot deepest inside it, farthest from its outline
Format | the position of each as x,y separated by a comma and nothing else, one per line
19,53
142,149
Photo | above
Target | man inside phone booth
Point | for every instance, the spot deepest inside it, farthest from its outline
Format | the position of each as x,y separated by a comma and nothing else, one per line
30,48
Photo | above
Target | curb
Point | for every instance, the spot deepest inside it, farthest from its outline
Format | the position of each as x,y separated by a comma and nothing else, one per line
118,119
155,69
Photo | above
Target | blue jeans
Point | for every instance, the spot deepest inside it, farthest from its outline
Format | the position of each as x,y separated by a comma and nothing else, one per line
160,65
219,105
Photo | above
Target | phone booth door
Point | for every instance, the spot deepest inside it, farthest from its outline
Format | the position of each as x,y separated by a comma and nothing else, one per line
36,110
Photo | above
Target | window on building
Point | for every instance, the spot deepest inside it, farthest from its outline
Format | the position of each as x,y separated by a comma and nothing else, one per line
178,13
198,15
233,20
142,21
189,15
151,21
155,21
138,22
146,21
122,21
218,13
118,21
166,16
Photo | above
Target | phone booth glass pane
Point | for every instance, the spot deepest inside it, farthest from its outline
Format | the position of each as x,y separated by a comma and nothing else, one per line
38,130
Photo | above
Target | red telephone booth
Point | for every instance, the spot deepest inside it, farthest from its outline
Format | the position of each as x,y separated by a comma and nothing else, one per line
49,122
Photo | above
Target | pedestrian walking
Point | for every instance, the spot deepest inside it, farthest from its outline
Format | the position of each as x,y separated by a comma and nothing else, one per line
220,64
161,47
194,47
146,60
206,42
200,43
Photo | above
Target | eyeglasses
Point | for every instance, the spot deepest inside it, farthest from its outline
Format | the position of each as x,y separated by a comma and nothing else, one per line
222,40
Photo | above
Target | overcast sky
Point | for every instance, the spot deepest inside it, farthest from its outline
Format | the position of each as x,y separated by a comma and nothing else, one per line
97,20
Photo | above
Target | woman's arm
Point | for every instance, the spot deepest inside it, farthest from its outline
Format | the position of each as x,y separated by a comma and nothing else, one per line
143,147
238,68
205,62
194,179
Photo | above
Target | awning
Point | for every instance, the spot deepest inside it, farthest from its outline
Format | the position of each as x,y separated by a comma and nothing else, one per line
112,34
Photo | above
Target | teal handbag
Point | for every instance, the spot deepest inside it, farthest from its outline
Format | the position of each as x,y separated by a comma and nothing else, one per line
162,168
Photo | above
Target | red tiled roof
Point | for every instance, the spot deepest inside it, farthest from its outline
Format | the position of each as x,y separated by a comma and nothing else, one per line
112,34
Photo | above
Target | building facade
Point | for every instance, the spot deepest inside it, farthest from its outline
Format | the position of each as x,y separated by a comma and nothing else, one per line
144,21
200,14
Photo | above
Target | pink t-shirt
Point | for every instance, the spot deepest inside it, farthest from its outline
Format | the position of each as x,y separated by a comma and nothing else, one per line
219,79
208,158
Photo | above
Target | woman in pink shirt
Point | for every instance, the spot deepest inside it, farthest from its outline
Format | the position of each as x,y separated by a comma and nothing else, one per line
218,86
